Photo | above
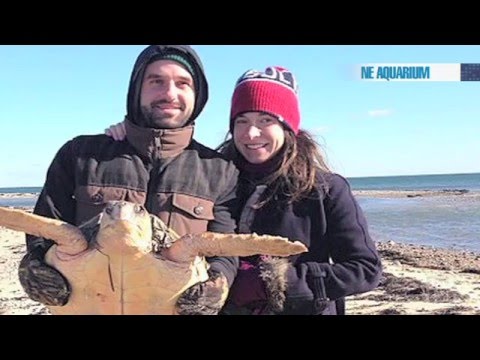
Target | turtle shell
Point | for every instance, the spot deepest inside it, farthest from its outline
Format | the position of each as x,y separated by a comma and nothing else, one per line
117,264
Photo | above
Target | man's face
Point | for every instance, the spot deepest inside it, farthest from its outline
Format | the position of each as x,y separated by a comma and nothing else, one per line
167,98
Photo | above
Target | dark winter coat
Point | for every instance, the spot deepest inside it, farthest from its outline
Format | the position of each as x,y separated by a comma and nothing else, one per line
187,185
342,259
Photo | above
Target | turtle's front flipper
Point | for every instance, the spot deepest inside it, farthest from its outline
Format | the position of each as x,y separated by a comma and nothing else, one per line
69,238
216,244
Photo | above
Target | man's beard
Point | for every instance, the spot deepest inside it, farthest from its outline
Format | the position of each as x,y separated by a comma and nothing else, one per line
158,120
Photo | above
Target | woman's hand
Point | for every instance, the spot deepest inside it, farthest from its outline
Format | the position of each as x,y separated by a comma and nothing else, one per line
117,131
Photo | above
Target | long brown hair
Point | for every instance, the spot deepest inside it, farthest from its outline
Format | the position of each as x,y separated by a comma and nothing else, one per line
302,167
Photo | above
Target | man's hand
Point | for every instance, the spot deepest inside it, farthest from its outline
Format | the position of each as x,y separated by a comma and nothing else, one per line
206,298
42,282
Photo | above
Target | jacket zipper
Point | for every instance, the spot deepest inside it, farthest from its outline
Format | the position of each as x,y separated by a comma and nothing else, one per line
151,191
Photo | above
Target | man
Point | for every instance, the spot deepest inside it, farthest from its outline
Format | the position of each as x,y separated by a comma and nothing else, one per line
159,165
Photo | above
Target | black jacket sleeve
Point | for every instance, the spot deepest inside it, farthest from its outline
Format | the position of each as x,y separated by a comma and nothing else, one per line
56,198
224,212
356,265
318,286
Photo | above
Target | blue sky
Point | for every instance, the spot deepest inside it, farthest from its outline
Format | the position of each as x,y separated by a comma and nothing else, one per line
50,94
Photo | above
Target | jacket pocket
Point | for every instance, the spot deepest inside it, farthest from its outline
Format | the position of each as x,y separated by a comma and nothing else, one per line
190,214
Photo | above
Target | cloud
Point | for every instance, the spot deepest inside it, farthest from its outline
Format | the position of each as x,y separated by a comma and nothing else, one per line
380,113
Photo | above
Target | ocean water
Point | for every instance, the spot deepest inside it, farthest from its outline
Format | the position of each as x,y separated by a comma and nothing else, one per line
21,202
20,190
446,222
420,182
451,222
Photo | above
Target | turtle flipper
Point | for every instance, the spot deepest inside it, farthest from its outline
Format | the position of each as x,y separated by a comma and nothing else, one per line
204,298
216,244
69,238
42,282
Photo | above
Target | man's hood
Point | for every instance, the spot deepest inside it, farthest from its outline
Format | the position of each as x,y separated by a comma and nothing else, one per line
134,112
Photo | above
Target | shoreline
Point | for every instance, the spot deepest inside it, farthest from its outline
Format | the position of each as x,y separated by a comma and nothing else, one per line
18,195
358,193
461,193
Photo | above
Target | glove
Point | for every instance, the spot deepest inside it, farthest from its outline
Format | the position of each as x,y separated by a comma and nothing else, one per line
260,286
41,282
248,287
206,298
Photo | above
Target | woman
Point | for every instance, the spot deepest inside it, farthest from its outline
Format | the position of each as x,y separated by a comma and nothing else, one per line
287,190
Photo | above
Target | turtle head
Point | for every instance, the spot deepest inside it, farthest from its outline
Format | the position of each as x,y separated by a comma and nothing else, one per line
122,211
125,227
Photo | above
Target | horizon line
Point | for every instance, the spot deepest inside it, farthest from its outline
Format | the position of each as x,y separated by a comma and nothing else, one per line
347,177
437,174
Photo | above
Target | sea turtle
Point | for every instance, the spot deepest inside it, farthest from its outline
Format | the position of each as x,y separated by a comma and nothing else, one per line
126,261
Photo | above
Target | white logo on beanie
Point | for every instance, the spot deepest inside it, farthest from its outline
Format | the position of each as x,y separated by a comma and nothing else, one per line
273,73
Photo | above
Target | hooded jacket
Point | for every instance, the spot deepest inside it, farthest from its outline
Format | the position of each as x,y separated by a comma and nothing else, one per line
156,52
187,185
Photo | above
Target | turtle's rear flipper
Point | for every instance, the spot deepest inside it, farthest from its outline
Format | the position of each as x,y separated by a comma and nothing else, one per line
42,282
69,238
205,298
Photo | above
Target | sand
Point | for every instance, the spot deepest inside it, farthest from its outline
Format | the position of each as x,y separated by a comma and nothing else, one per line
424,281
417,280
13,300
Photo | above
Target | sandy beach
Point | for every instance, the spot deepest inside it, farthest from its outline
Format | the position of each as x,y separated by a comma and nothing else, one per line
13,300
424,281
417,280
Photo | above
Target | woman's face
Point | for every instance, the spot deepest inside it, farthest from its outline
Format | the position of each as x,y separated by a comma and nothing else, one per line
258,136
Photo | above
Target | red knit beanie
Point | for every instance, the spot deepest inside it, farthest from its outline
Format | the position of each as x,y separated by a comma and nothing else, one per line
274,91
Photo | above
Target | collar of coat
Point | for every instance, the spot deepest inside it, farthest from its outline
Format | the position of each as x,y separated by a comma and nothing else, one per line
158,143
